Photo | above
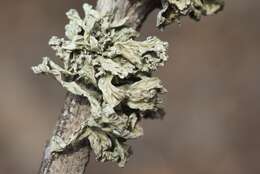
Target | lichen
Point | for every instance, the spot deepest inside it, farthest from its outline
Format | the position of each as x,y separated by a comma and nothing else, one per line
173,10
103,61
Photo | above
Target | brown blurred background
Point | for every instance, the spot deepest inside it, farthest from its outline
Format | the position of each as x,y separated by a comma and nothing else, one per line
212,124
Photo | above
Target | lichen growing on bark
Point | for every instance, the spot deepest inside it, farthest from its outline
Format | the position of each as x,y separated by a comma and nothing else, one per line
103,62
173,10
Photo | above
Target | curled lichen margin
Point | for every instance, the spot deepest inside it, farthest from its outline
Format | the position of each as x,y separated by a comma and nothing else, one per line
173,10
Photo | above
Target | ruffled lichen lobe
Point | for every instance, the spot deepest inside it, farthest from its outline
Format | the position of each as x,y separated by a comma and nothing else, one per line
173,10
103,61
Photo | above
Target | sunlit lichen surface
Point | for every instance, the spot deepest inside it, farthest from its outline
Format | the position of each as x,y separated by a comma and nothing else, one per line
103,62
173,10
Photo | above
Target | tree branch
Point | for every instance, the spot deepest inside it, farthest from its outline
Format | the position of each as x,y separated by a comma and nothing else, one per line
76,109
74,160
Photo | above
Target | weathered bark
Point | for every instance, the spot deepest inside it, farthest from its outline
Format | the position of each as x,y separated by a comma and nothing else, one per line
76,108
73,160
135,10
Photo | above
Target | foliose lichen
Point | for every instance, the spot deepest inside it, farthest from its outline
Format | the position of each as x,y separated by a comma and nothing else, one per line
103,61
173,10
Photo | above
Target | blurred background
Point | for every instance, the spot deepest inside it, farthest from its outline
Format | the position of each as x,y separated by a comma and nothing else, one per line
212,123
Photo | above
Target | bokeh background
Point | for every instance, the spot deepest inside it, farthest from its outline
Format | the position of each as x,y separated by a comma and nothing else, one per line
212,123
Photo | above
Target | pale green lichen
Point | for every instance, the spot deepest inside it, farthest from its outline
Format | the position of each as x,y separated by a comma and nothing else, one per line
103,62
173,10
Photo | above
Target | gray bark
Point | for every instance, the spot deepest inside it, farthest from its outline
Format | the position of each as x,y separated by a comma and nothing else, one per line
76,108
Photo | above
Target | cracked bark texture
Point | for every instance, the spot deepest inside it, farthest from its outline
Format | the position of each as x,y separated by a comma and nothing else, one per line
76,109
